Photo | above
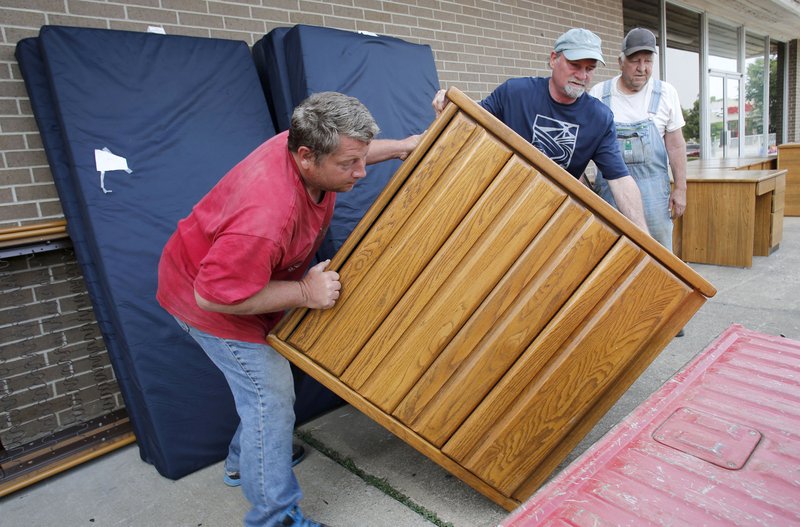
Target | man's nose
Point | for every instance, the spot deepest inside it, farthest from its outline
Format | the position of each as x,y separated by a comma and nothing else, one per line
360,169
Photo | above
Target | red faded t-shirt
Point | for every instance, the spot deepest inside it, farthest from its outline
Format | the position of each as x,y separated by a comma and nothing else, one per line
257,224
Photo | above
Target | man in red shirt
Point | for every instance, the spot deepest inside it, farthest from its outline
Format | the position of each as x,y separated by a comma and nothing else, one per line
239,260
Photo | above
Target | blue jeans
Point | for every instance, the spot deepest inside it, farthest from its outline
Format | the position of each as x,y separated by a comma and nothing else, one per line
263,390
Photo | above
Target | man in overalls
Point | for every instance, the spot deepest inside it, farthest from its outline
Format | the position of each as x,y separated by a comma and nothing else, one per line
648,118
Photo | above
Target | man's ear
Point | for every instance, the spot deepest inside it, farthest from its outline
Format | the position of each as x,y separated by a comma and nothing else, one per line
306,156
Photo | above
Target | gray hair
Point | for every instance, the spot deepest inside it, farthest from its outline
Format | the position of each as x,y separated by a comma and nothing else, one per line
318,121
558,57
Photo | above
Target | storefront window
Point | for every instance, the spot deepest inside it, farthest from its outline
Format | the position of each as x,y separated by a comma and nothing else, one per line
777,57
723,90
740,116
683,70
723,45
757,140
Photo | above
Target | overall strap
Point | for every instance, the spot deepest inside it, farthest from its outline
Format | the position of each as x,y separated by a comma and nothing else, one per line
655,98
606,97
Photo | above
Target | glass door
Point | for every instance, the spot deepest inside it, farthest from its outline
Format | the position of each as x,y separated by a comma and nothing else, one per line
723,110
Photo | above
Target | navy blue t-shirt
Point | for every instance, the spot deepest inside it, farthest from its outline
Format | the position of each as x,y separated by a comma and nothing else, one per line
569,134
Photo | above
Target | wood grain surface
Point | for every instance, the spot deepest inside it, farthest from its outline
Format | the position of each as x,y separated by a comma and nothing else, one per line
493,308
789,158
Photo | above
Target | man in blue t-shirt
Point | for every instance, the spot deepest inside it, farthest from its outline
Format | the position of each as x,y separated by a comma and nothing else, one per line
559,118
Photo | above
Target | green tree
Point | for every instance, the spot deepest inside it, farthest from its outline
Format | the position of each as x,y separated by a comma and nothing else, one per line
691,130
754,91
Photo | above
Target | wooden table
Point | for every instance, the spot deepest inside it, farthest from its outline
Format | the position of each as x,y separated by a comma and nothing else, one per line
731,215
735,163
493,308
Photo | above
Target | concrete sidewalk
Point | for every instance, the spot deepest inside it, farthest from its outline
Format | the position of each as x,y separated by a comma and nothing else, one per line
357,474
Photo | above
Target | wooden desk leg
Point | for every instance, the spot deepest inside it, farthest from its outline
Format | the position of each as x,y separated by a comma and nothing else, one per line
677,237
763,224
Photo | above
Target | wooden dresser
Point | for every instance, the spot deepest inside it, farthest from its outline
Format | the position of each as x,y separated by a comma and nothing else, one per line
789,159
493,308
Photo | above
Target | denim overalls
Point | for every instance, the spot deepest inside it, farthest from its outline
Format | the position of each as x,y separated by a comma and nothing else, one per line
645,155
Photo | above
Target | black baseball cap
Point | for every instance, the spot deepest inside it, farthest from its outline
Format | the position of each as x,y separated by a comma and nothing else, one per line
639,39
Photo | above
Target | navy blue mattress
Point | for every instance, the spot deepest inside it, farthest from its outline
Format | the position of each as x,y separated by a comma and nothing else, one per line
30,62
181,111
33,71
270,59
395,79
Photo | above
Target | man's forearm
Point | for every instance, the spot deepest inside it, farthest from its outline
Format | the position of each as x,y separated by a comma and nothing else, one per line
277,295
676,152
383,149
318,289
629,200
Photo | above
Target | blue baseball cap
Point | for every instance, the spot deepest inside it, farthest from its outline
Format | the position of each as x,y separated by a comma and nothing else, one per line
579,43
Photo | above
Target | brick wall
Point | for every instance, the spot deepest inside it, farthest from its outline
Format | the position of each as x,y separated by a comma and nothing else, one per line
476,43
51,355
54,368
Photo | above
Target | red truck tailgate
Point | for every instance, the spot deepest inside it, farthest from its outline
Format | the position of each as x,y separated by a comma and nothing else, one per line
717,445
